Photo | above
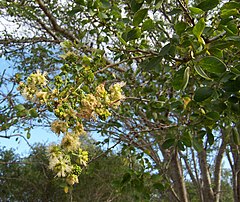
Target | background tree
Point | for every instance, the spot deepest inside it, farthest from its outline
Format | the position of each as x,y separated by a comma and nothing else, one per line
29,179
179,62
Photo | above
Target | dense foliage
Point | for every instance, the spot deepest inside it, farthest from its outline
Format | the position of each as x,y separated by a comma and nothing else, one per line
160,78
29,179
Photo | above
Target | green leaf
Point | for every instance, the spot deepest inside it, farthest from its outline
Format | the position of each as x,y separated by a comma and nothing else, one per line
180,145
28,134
203,93
196,11
74,11
178,79
158,4
19,107
139,16
135,6
208,4
180,27
226,13
186,78
33,113
133,34
197,145
186,139
165,50
198,28
168,143
212,64
210,138
200,71
232,85
158,186
231,5
80,2
148,25
153,63
213,116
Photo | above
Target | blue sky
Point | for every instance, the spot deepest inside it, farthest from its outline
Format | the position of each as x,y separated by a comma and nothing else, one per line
41,135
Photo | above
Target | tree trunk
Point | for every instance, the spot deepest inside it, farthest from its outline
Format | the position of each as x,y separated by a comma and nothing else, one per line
176,174
218,165
207,189
235,165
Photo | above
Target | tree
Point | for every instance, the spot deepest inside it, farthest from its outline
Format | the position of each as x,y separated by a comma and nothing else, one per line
29,179
174,61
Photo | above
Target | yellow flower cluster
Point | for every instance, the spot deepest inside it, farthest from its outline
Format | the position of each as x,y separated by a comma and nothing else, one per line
70,142
60,161
58,127
116,94
35,88
70,102
99,102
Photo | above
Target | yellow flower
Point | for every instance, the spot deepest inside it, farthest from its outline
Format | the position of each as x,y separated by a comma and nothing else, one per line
82,157
78,129
60,164
37,78
100,91
42,96
70,142
58,127
72,179
116,94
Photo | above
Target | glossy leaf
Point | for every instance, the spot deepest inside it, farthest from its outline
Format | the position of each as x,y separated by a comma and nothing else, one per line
212,64
208,5
197,145
203,93
135,6
186,139
200,71
226,13
231,5
232,85
196,11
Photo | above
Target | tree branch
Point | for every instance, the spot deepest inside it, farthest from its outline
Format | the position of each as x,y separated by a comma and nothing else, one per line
27,40
54,23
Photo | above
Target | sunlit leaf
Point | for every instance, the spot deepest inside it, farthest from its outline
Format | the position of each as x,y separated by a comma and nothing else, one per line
199,27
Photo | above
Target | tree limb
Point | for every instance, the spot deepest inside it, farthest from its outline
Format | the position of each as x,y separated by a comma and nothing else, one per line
54,23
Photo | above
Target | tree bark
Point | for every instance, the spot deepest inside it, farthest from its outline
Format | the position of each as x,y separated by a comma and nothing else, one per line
206,179
176,174
218,166
235,165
